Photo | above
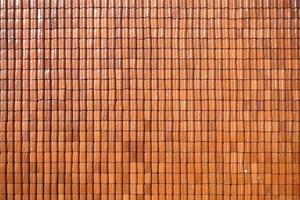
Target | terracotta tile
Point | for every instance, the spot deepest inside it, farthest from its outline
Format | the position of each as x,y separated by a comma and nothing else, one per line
149,99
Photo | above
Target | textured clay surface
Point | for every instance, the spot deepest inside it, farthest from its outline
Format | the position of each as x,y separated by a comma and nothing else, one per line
150,99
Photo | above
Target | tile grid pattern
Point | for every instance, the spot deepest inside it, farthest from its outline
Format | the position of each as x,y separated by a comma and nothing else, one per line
149,99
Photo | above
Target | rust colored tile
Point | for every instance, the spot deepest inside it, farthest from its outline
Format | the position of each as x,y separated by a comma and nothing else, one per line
161,99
